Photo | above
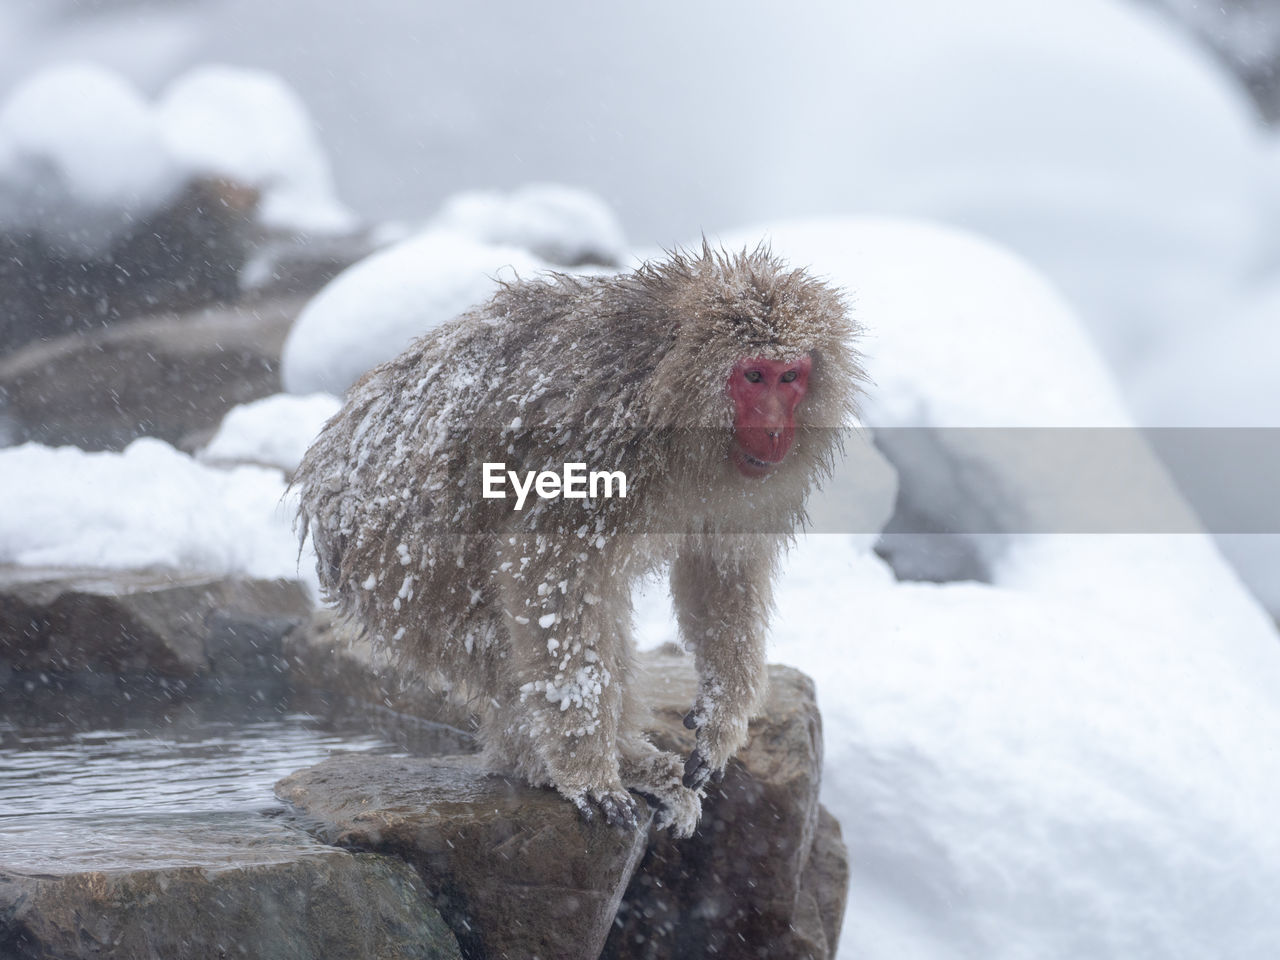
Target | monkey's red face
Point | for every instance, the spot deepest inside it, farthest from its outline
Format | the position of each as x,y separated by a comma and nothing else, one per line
765,395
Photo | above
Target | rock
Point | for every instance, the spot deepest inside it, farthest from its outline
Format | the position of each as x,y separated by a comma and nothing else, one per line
279,899
824,885
187,254
766,873
172,377
96,626
514,870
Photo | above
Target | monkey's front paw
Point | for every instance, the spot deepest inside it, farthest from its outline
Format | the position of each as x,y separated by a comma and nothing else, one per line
680,809
698,771
617,806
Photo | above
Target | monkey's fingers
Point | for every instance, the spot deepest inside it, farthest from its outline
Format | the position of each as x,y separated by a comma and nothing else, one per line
696,771
619,809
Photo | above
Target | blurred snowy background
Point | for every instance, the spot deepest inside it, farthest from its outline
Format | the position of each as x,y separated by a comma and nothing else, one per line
1049,214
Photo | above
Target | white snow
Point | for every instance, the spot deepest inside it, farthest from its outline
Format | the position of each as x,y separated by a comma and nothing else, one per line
83,155
80,153
1091,137
1073,760
248,125
274,431
1227,376
370,312
147,506
560,224
1050,768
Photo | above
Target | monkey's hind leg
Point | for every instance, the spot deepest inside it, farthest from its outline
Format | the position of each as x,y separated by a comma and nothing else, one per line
564,703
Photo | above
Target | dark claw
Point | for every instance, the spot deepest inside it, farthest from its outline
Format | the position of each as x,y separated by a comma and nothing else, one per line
718,776
618,813
690,721
696,771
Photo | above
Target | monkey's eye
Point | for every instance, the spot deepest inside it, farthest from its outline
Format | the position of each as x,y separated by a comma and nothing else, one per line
789,376
753,376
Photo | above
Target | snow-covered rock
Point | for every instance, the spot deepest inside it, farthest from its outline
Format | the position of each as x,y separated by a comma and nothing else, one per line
1271,205
1225,373
1071,764
560,224
84,157
371,311
249,126
147,506
1090,137
274,431
1217,379
1093,137
81,155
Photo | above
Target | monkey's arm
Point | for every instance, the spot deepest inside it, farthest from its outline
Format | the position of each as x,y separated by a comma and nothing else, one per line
722,593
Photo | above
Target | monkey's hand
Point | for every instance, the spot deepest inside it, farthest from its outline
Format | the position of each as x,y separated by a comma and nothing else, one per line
721,731
655,775
617,806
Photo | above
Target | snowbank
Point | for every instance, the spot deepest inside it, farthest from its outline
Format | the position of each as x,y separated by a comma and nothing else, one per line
1224,376
1271,205
1074,759
371,311
560,224
83,156
274,431
1046,771
248,125
147,506
1093,138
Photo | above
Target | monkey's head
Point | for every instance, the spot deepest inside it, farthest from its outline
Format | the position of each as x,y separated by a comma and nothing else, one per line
761,355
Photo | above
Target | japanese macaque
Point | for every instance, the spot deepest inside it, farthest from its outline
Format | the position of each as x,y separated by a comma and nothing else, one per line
715,382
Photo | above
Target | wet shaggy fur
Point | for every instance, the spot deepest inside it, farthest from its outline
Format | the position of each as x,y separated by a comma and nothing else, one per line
527,614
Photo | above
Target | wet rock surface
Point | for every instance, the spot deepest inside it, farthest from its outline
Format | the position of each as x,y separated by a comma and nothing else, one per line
514,870
97,629
300,903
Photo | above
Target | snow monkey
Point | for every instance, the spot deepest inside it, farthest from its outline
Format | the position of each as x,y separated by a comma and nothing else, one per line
712,381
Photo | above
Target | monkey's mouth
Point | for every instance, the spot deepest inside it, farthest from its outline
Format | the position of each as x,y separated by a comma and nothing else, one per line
752,466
